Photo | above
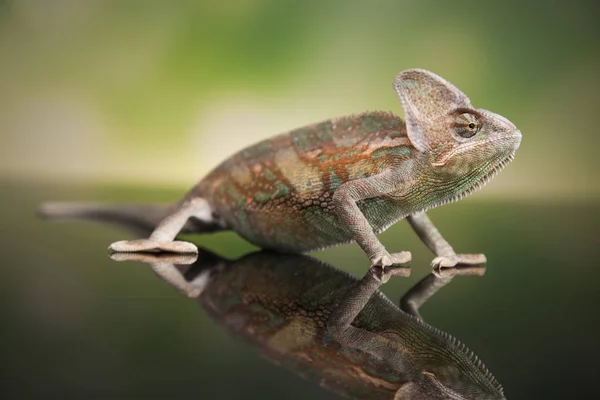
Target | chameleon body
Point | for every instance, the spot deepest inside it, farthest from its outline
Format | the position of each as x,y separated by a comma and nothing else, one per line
346,179
283,304
279,193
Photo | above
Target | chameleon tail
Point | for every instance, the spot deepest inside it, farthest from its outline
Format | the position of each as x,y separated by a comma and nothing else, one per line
139,218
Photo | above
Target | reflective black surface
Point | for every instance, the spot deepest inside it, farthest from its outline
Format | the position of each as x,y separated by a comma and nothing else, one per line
76,323
296,310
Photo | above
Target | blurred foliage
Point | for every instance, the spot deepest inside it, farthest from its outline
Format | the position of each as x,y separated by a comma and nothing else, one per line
160,92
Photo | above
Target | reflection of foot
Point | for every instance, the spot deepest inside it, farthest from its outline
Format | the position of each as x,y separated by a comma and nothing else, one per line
462,264
386,259
384,274
464,259
391,264
147,245
179,259
169,267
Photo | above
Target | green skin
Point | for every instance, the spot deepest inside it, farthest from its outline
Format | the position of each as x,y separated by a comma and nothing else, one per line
283,303
350,178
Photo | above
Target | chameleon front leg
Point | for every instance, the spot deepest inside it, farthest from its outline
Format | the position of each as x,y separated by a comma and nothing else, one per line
162,238
345,198
445,255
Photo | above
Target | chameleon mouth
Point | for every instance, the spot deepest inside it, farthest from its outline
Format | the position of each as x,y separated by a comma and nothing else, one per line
514,139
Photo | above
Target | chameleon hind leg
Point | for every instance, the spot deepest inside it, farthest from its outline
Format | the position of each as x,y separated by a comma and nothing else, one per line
162,238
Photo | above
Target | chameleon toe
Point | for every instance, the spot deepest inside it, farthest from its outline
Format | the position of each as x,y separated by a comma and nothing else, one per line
472,259
444,262
178,247
401,259
146,245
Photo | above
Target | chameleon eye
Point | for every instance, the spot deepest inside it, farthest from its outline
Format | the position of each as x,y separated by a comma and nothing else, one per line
466,125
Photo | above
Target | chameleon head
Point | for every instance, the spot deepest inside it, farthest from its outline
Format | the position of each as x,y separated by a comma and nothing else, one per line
457,139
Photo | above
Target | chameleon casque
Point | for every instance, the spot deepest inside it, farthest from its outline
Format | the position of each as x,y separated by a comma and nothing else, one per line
345,179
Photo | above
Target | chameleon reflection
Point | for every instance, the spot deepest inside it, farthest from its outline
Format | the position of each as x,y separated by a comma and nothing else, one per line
329,328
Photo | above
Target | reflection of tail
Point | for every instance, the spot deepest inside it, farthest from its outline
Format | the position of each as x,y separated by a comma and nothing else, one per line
140,218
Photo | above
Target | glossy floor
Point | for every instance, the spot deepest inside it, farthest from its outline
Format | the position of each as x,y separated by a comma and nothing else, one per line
76,323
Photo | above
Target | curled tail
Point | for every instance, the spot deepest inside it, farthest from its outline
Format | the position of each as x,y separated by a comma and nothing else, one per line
139,218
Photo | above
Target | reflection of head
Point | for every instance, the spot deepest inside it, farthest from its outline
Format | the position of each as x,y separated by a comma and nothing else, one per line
452,376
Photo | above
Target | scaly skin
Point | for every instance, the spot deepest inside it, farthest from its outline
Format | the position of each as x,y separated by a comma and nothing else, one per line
278,193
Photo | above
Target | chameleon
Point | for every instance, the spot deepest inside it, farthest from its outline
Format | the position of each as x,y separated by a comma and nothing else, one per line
328,327
344,180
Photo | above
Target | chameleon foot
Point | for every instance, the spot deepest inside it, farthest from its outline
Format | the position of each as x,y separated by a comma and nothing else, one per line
148,258
391,264
439,263
146,246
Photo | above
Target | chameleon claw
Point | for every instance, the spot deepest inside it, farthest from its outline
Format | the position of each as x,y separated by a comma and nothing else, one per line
474,270
444,262
444,267
383,275
400,259
391,264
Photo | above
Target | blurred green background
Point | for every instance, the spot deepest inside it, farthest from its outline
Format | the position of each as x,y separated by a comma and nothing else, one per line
136,101
159,92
